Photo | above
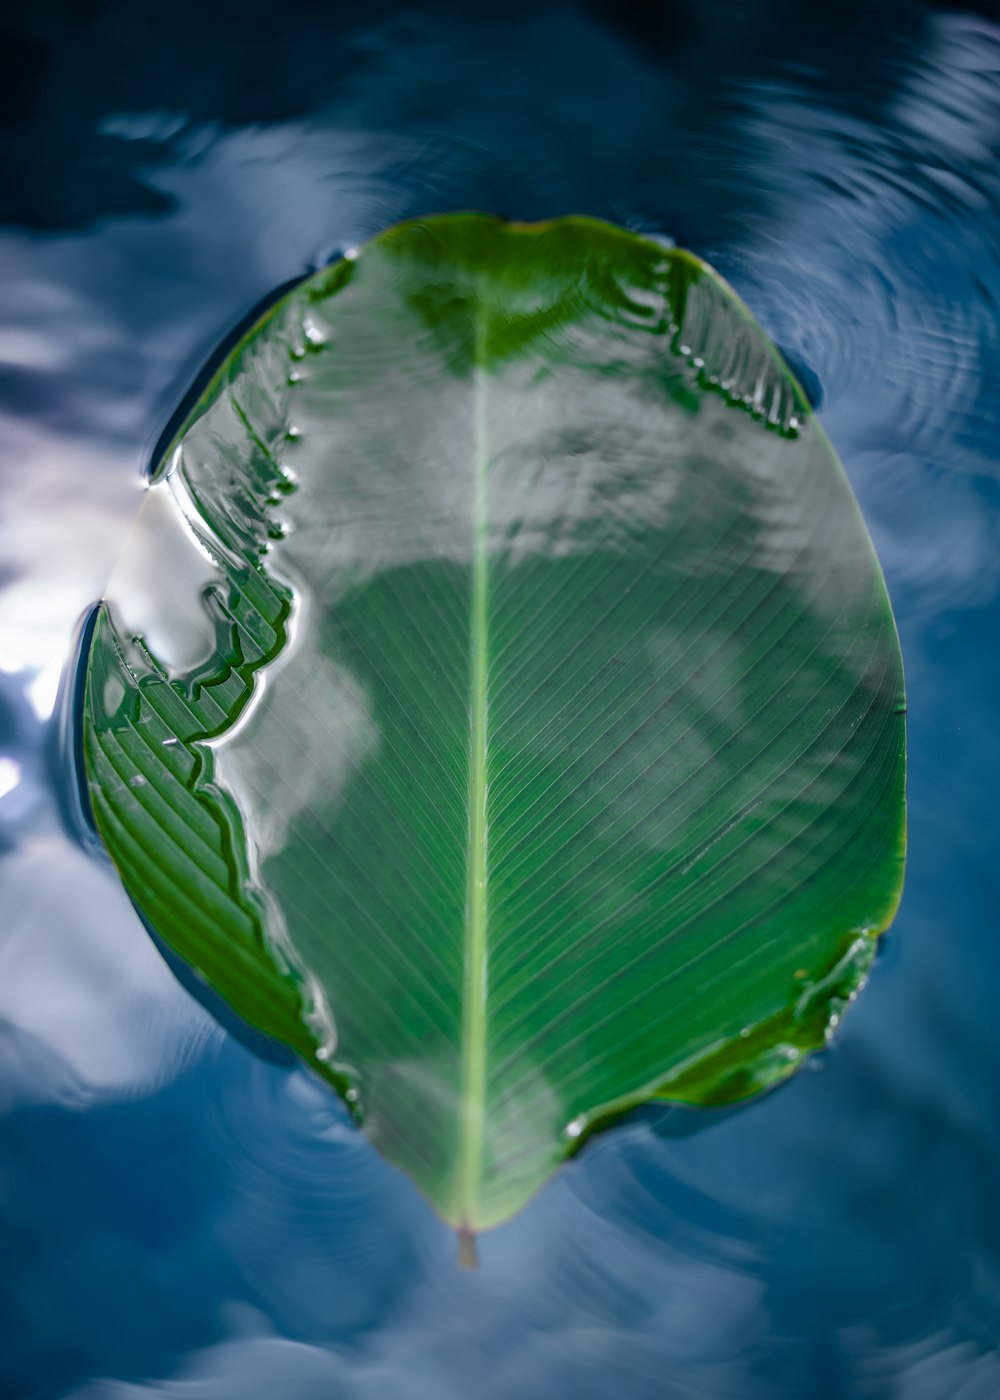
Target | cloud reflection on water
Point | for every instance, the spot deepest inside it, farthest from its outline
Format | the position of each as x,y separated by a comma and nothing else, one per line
171,1206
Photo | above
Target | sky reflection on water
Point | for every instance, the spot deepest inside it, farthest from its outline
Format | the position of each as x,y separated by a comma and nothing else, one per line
179,1217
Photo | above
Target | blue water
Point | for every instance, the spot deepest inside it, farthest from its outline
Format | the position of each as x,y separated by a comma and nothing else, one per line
178,1216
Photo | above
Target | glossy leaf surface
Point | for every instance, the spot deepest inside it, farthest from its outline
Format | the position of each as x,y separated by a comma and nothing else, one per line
499,701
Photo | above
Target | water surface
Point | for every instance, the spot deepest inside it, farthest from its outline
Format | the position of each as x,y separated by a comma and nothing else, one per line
180,1217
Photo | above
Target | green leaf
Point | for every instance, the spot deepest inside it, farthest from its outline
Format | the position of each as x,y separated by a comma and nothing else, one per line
499,701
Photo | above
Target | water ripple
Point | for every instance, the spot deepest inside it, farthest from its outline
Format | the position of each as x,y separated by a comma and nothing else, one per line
180,1218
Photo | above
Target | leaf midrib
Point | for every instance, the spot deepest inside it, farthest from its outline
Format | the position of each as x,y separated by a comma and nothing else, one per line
473,1055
